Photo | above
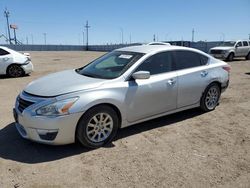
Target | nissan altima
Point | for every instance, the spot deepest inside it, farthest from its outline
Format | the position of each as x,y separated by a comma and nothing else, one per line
121,88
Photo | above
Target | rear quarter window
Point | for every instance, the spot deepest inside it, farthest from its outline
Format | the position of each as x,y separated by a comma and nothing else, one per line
3,52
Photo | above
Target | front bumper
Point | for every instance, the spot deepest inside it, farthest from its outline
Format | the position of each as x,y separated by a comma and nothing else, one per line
219,56
28,68
48,130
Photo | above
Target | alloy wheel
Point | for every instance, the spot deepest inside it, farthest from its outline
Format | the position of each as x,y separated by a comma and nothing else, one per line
212,98
100,127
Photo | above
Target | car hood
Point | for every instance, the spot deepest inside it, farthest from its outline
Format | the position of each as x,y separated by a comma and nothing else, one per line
62,83
222,48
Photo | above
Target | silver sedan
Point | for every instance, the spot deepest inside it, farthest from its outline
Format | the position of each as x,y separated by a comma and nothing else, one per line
121,88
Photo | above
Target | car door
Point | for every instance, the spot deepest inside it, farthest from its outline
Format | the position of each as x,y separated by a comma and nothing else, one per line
239,49
5,58
193,76
245,48
156,95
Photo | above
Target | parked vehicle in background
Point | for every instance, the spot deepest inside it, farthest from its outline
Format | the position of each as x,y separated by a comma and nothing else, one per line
230,49
14,64
121,88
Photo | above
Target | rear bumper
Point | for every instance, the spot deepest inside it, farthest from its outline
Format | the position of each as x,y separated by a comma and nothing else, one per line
224,86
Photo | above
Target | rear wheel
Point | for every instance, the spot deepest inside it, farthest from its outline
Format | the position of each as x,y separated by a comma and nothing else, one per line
248,56
210,97
97,126
230,57
15,71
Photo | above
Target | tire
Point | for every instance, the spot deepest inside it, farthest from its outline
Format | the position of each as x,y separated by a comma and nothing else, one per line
230,57
210,98
15,71
248,56
92,131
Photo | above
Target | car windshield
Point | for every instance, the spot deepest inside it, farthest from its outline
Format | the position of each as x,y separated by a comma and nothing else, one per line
228,43
111,65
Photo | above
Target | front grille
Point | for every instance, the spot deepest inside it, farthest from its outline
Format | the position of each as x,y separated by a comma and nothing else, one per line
23,104
216,51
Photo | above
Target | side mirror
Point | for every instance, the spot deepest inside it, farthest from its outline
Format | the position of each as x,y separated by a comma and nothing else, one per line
141,75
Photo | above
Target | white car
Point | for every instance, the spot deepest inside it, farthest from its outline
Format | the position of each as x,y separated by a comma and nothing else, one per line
14,64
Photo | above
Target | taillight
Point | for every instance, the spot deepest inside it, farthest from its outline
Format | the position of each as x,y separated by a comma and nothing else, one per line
227,68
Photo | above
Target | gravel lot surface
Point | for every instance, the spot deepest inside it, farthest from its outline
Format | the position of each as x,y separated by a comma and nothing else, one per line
187,149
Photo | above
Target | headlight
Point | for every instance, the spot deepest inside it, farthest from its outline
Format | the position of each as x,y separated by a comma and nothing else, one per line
224,51
58,108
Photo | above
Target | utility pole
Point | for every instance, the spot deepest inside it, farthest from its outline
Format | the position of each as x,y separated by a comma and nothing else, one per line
154,38
193,35
87,26
45,38
7,15
27,40
130,38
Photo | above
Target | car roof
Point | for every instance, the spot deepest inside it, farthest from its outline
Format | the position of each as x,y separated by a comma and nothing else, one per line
153,48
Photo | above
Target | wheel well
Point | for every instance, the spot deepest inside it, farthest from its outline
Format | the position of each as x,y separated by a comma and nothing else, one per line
216,82
230,53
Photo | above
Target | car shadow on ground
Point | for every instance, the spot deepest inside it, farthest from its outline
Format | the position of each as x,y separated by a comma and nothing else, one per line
8,77
13,147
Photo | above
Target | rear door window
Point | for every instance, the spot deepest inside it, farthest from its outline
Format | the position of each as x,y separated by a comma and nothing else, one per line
188,59
245,43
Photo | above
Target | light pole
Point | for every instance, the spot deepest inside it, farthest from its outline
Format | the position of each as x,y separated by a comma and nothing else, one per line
193,35
222,36
87,33
32,39
121,29
83,38
7,15
45,38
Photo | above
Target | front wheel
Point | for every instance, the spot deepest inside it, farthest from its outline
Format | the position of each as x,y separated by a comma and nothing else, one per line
97,126
210,97
15,71
230,57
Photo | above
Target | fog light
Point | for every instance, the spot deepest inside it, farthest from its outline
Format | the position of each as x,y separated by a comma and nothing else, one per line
47,134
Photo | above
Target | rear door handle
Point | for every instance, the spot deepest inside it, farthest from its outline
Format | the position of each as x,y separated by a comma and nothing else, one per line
204,73
171,82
